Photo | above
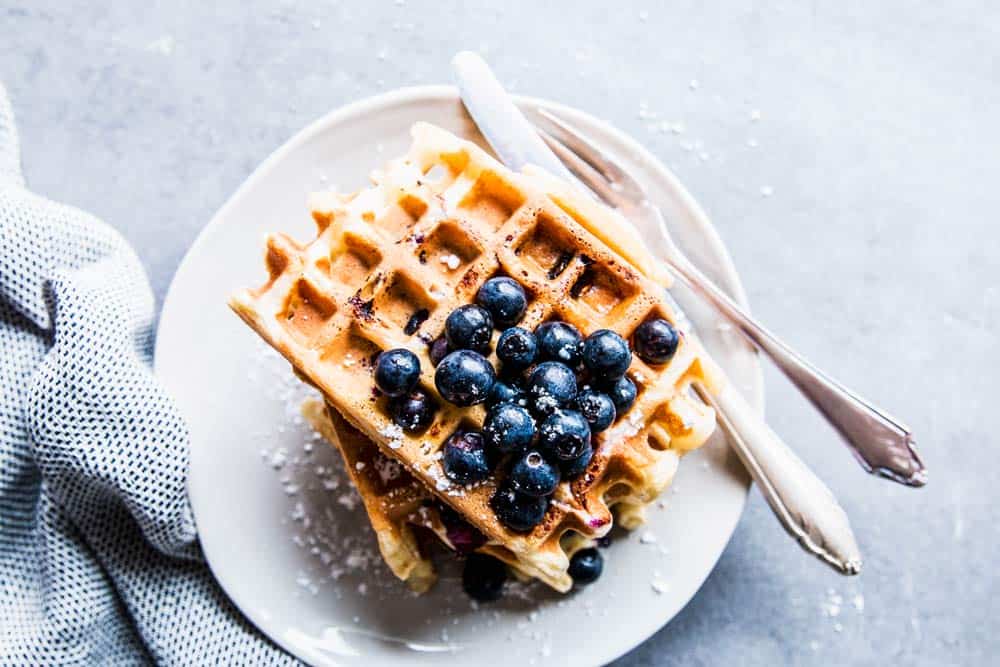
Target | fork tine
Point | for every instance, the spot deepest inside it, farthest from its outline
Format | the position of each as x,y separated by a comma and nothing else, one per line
587,174
585,148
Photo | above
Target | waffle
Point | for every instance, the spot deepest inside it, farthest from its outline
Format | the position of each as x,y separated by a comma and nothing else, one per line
391,262
396,503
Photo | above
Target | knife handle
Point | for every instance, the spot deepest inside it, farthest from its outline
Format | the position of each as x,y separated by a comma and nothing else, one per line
802,502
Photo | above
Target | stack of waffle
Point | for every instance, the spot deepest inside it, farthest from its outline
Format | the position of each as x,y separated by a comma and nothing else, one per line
386,268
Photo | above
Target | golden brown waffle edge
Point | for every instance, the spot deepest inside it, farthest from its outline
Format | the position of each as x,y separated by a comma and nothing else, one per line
436,224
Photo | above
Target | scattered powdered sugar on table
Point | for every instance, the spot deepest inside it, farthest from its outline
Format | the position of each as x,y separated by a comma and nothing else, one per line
832,604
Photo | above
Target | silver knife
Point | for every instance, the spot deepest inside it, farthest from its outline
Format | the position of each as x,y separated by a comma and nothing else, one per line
802,502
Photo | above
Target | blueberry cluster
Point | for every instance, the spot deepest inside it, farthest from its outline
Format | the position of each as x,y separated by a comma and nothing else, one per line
553,391
539,420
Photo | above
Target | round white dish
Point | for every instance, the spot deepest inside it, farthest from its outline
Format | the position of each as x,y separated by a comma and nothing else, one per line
282,530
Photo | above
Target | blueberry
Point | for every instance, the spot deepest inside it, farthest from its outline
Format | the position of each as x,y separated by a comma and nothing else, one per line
551,385
622,393
532,475
559,341
596,408
517,511
439,350
413,412
505,299
509,428
656,341
469,327
586,566
517,348
571,469
483,577
465,457
461,534
464,378
397,372
606,354
506,391
564,435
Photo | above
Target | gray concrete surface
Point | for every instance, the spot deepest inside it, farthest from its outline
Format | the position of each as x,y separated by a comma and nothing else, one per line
876,251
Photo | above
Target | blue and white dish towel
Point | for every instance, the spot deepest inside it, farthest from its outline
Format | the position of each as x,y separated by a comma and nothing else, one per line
99,558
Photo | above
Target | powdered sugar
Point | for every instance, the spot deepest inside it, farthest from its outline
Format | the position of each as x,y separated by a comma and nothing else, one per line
394,434
387,469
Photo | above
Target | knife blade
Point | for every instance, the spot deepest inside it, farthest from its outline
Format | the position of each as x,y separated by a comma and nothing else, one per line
508,132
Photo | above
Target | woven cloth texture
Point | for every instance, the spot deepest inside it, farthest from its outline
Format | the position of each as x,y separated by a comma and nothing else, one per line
99,556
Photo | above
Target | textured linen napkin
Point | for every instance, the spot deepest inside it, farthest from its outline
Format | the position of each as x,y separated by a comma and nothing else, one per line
99,559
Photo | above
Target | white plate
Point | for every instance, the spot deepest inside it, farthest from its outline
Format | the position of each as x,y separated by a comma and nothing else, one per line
288,549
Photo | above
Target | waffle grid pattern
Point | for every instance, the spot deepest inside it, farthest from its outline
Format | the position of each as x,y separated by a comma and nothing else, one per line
390,263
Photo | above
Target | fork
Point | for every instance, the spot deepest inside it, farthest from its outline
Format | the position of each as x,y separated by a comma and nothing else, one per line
882,444
803,504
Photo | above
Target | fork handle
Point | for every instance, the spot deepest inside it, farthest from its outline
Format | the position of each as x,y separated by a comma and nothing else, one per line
882,444
801,501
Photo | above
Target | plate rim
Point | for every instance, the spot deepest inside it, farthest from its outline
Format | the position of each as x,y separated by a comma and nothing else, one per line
445,93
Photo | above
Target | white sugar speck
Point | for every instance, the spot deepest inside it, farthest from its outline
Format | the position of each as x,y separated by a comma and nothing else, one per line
279,458
755,115
693,84
163,45
659,586
394,434
348,500
451,261
647,538
752,143
859,602
766,191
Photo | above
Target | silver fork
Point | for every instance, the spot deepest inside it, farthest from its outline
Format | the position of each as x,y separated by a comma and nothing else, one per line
804,505
882,444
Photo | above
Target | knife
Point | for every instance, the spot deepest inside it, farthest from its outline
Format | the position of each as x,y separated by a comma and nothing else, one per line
802,503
